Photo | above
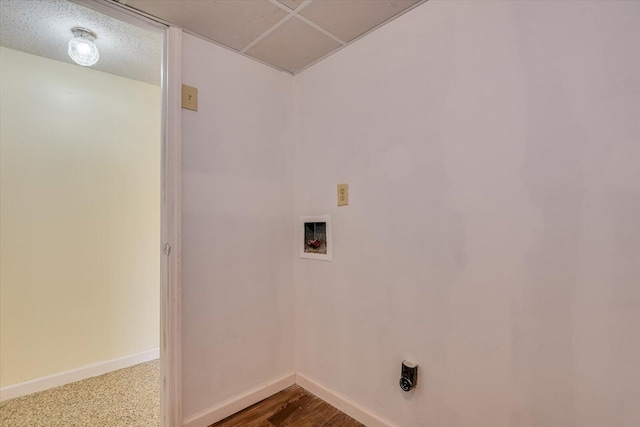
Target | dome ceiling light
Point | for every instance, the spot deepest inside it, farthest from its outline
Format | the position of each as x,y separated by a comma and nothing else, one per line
81,47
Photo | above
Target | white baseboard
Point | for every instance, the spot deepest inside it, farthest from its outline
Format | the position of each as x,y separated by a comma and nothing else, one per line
84,372
347,406
211,415
237,403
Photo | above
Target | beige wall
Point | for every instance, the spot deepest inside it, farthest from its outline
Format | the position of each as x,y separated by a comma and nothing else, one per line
80,216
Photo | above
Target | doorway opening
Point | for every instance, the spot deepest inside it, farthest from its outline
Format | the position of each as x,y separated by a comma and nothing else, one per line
89,256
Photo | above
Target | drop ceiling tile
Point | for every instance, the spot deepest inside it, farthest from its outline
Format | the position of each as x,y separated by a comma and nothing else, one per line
233,23
291,4
347,19
293,46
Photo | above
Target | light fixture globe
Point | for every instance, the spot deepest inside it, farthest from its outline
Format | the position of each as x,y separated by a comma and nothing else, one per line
81,47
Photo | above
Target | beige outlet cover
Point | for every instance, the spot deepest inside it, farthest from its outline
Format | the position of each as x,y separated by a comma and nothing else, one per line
189,97
343,194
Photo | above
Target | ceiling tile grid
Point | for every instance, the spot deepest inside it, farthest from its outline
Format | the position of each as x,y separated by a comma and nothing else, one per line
293,45
290,35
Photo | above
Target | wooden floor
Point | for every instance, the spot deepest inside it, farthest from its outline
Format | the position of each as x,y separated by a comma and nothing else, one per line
293,406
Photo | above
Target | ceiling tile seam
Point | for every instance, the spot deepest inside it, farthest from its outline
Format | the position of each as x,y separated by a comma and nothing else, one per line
287,9
322,30
413,6
266,33
306,20
304,4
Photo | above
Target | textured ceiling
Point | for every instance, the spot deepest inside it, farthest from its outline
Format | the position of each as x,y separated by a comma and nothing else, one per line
43,28
287,34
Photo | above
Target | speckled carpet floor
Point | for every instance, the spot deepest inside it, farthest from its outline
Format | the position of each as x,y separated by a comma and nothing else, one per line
129,397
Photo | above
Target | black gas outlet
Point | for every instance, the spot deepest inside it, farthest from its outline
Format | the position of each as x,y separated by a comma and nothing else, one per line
408,375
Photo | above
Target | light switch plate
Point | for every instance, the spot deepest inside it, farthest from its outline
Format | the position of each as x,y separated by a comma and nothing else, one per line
343,194
189,97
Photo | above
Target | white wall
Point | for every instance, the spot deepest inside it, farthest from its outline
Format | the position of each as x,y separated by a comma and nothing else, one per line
80,216
493,236
237,269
